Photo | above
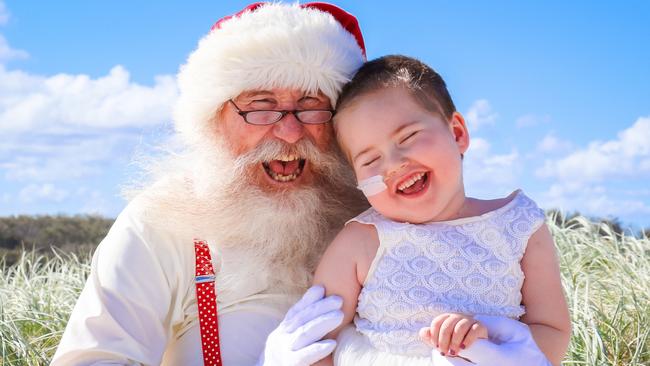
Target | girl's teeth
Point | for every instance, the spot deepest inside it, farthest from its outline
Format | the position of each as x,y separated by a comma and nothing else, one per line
410,182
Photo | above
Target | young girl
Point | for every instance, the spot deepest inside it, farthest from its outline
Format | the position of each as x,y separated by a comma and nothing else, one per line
415,268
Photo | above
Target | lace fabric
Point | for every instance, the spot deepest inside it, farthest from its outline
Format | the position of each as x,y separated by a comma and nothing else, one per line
469,265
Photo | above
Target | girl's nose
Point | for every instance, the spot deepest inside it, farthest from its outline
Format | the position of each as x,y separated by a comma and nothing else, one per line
396,164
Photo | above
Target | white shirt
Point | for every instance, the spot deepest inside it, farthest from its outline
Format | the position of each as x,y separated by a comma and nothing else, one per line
139,305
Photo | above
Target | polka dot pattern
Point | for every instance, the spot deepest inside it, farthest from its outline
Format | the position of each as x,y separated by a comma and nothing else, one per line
206,297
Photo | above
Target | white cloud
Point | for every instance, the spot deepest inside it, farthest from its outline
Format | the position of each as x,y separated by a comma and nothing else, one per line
47,159
480,114
530,120
551,144
42,192
68,103
7,53
487,174
4,13
594,200
34,169
628,155
96,203
639,192
56,131
644,165
69,127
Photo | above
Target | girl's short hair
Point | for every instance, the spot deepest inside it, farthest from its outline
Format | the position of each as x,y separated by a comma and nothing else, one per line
425,85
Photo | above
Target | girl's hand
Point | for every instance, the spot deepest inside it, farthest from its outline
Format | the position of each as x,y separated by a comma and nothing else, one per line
451,332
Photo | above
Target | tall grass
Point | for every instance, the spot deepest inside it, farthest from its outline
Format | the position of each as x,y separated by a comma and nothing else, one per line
606,278
37,295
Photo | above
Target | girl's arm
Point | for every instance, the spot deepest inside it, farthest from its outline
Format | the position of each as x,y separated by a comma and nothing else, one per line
547,313
343,269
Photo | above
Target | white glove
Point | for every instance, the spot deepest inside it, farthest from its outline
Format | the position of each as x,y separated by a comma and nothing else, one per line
295,342
510,343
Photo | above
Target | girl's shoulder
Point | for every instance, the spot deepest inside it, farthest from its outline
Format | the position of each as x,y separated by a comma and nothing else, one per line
358,243
357,237
479,207
368,217
515,204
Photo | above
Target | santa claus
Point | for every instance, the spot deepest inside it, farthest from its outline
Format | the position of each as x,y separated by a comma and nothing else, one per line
259,187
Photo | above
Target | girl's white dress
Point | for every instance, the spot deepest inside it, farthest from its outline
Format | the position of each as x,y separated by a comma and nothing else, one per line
470,265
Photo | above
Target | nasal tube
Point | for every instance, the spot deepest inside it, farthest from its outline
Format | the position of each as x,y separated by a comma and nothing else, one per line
372,186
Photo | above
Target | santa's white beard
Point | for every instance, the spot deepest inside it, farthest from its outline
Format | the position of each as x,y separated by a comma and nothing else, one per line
210,194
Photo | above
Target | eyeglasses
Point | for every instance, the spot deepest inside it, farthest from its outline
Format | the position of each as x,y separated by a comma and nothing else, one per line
269,117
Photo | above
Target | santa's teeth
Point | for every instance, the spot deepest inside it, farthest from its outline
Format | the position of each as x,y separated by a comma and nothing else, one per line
410,182
284,178
284,159
287,158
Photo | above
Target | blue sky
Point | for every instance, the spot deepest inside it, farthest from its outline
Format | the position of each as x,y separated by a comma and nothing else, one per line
556,94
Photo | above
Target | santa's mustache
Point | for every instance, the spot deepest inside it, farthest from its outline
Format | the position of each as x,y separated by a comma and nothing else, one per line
324,162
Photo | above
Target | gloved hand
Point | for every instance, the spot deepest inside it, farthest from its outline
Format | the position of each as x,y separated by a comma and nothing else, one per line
295,342
510,343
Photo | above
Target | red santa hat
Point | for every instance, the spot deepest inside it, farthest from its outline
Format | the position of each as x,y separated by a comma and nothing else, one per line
311,47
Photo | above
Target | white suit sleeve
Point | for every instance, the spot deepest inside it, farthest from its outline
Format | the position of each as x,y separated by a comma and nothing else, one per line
123,313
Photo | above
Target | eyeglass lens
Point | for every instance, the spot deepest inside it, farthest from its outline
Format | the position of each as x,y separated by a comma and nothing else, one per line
307,116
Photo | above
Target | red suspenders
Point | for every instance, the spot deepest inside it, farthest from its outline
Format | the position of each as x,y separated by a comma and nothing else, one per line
206,299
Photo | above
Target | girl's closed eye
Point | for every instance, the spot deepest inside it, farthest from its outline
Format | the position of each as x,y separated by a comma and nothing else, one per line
369,162
408,137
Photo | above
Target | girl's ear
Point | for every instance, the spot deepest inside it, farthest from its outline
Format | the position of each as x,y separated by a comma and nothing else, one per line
460,132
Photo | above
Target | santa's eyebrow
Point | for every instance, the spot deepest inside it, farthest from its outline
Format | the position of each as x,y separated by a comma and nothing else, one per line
254,93
310,96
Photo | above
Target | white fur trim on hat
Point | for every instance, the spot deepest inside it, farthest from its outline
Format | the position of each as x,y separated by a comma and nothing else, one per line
275,46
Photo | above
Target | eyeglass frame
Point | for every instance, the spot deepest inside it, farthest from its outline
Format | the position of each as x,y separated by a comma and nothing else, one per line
282,114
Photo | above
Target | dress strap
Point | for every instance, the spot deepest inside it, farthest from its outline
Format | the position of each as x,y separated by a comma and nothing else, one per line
206,299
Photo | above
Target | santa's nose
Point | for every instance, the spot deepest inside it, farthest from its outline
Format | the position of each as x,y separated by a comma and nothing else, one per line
289,129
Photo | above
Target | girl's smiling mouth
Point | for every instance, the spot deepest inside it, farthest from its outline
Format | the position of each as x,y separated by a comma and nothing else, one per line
414,185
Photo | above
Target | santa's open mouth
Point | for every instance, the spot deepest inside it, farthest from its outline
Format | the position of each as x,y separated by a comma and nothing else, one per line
413,184
285,168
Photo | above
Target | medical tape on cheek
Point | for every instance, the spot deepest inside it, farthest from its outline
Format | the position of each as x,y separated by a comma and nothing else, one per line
372,186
